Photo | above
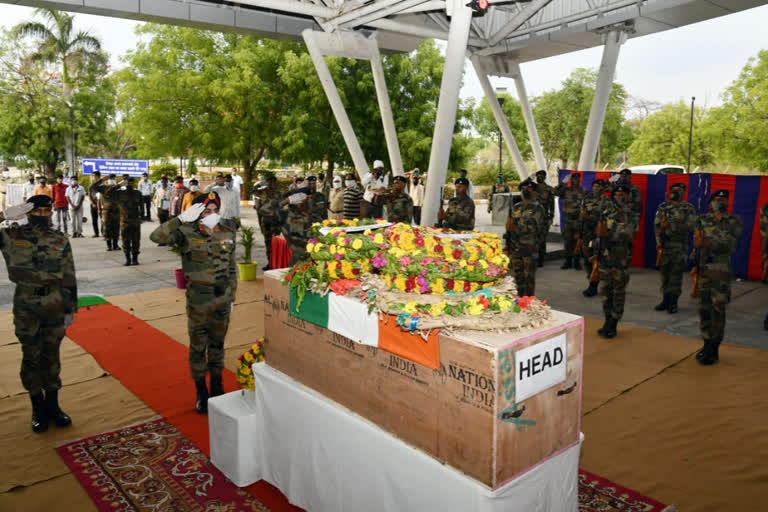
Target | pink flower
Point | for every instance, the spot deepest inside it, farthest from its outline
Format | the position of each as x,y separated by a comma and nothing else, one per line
347,241
405,261
379,261
423,284
338,257
313,240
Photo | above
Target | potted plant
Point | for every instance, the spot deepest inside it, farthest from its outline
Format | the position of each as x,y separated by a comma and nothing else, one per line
247,267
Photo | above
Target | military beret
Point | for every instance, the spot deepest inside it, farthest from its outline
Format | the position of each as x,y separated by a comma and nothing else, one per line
41,201
526,183
311,177
130,179
602,183
205,199
59,176
622,187
97,173
271,177
539,173
678,185
719,193
461,181
126,175
575,175
625,172
400,178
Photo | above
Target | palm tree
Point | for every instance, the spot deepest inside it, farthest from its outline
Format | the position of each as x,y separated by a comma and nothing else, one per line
58,44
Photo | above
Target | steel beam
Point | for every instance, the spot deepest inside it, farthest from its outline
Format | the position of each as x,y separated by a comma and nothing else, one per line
530,122
517,21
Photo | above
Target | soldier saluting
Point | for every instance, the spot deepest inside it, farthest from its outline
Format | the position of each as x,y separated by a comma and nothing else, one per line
129,202
39,261
207,244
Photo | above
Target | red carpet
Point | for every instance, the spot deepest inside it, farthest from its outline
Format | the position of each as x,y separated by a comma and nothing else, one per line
151,466
155,368
596,494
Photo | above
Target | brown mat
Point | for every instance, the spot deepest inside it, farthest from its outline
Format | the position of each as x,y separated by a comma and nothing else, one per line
95,406
7,331
635,355
77,365
694,436
47,496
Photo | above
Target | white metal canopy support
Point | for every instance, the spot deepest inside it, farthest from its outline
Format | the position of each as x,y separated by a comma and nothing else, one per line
501,121
387,119
446,110
530,123
293,6
613,41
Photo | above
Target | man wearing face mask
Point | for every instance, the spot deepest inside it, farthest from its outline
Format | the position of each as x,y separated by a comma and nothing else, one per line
177,196
673,223
523,232
43,189
399,204
269,216
461,209
194,191
110,213
93,199
635,196
230,199
29,188
336,200
207,245
715,239
374,184
75,197
572,193
316,205
163,200
147,189
545,194
39,261
353,196
616,228
128,202
60,204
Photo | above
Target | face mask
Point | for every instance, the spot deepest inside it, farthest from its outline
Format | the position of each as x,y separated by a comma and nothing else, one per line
74,184
165,185
42,183
336,184
6,174
179,185
32,182
675,195
210,221
124,187
527,194
194,188
349,183
719,207
37,221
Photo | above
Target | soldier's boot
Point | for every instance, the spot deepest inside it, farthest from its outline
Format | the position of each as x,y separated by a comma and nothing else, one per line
610,330
216,387
765,323
577,263
672,309
709,353
135,258
201,402
114,245
59,417
664,304
568,263
109,244
39,414
601,331
591,291
127,260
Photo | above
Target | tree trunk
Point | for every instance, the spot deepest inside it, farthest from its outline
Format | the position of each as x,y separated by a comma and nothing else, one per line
248,167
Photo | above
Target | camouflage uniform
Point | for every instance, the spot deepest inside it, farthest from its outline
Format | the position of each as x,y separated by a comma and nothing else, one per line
297,228
591,205
635,200
715,276
572,197
460,214
614,259
110,216
545,194
208,261
40,262
399,207
498,188
128,202
269,217
318,207
527,219
674,242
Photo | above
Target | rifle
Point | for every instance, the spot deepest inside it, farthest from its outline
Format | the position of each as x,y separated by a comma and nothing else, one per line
595,259
699,259
580,234
765,267
660,250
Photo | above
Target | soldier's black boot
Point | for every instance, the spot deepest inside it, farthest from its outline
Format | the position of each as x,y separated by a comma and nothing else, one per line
127,260
601,331
709,353
568,263
201,402
55,414
591,291
610,330
577,263
135,259
765,323
672,309
216,386
39,414
109,244
664,304
114,245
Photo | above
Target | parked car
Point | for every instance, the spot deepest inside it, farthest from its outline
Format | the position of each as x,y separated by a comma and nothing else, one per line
658,169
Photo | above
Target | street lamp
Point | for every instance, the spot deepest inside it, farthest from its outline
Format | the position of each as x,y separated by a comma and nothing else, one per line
499,91
71,154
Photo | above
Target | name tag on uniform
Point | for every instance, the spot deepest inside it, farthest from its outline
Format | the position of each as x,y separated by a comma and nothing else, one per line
197,240
22,243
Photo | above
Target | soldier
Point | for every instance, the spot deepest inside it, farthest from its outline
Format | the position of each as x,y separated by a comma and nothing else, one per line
269,216
635,196
572,196
297,226
523,232
498,188
94,200
546,196
316,205
207,245
39,261
128,201
673,223
715,238
399,203
591,207
764,259
461,209
110,215
616,229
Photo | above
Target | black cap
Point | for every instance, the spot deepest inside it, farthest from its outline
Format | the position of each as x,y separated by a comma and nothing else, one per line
59,176
539,173
623,187
97,173
576,175
463,171
678,185
625,172
126,176
178,178
311,177
461,181
271,177
402,179
719,193
602,183
41,201
130,179
144,174
526,183
195,182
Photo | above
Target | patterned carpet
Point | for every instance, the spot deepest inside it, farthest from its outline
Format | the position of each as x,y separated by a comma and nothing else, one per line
596,494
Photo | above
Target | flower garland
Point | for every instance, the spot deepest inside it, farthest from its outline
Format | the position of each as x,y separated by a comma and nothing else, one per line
244,373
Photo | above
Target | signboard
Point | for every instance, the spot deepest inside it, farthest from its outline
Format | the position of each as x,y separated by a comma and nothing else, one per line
540,367
116,167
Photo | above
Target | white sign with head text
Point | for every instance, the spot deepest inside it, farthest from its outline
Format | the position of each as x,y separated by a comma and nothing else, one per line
540,367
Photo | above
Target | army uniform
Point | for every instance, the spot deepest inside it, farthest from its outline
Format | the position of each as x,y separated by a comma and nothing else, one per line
498,188
39,261
317,206
269,218
399,207
714,271
129,203
635,196
296,228
460,214
764,234
526,217
673,242
591,208
208,262
110,217
545,194
572,198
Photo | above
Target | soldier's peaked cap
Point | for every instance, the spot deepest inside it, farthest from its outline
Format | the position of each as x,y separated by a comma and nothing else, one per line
205,199
400,178
461,181
719,193
41,201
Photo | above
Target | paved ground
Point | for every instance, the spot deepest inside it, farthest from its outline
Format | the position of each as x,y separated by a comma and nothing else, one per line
101,272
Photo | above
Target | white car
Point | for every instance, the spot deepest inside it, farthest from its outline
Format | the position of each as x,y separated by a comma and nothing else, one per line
658,169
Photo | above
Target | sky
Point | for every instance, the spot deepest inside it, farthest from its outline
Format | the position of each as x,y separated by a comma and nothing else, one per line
698,60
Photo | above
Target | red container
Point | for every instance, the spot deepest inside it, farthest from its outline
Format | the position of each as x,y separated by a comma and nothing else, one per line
181,281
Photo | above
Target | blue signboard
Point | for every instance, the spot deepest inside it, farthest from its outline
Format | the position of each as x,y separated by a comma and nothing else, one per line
116,167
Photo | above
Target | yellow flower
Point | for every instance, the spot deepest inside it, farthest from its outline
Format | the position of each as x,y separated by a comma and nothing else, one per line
357,244
325,222
476,309
310,247
473,287
503,303
341,241
318,247
411,307
332,270
400,283
246,370
379,238
341,250
463,263
437,286
437,309
346,269
388,280
333,249
248,356
367,232
458,285
484,264
397,252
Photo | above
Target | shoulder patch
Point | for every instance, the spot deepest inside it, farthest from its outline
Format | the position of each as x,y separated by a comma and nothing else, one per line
22,243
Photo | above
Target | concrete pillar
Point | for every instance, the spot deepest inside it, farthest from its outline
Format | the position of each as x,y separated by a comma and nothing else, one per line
387,119
446,111
530,123
613,41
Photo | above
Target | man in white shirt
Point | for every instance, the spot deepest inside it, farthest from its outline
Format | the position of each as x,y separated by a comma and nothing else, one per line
29,188
374,184
417,195
237,181
470,188
230,198
147,189
75,195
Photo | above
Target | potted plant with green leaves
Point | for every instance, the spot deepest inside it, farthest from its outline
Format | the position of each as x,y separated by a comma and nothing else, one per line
247,266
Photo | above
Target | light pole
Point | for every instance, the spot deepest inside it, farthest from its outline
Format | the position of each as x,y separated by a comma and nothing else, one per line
71,155
690,135
500,90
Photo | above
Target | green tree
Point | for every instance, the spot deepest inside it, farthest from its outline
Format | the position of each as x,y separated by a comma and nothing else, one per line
485,124
662,138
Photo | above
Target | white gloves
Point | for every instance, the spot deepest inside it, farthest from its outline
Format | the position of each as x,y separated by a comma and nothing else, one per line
567,179
18,212
68,319
615,178
297,198
192,213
